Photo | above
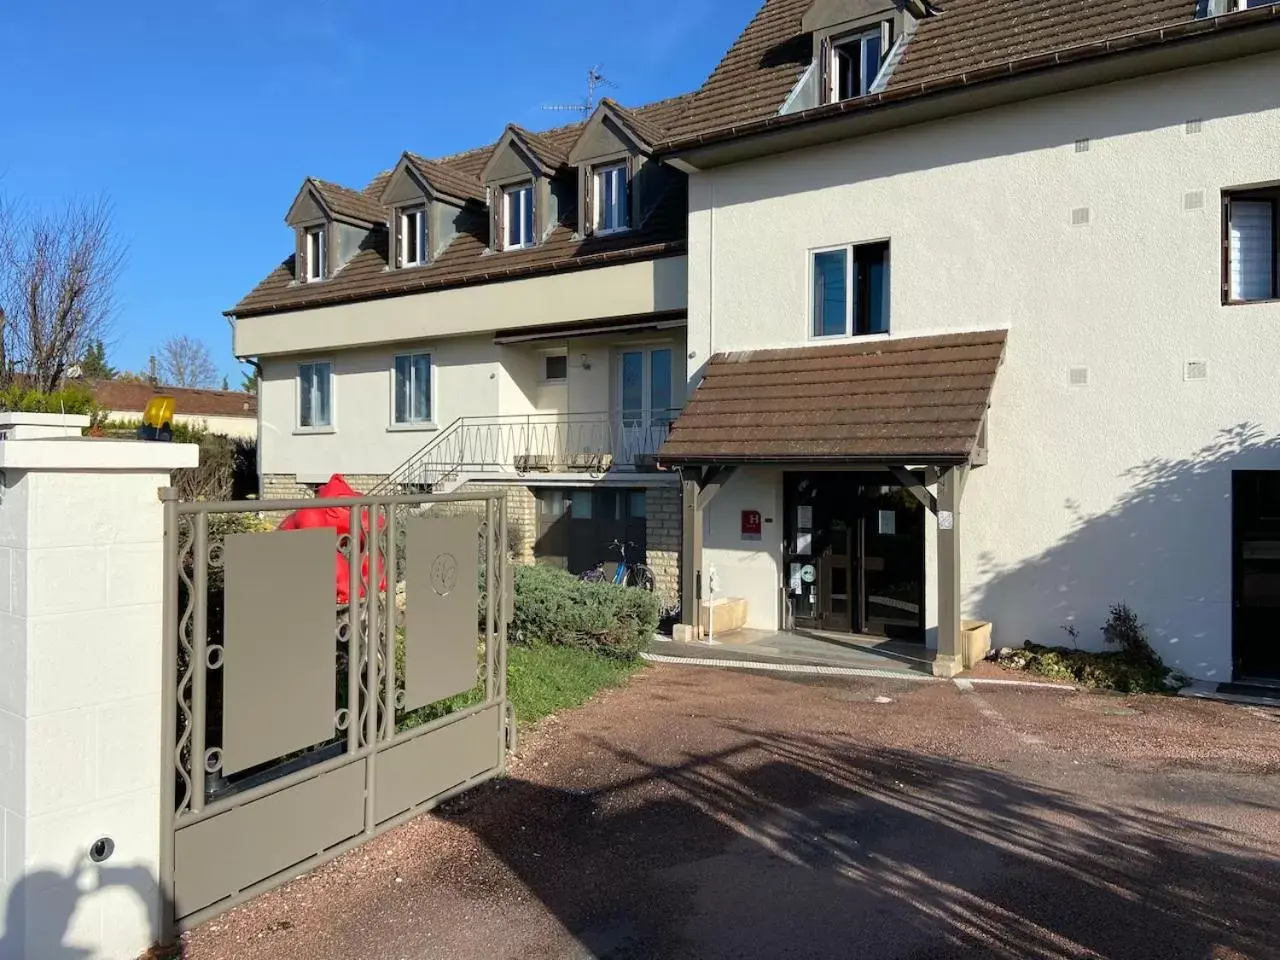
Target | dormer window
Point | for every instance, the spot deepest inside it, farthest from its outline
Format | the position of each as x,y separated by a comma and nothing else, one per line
316,254
412,238
517,215
856,61
612,199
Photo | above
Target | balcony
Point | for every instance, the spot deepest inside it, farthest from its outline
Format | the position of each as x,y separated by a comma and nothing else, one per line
586,445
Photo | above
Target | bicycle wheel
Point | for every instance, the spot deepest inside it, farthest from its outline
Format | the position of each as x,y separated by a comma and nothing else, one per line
641,576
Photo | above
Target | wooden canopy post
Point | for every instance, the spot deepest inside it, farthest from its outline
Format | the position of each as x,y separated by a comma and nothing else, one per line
697,488
949,658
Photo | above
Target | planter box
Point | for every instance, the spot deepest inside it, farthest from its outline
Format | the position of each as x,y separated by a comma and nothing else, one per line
975,641
591,462
533,463
729,613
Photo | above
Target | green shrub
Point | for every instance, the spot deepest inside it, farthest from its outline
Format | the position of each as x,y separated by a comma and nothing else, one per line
1109,671
74,399
554,607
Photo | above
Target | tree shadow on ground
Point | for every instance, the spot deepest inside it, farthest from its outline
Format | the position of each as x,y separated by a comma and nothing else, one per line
812,846
1161,547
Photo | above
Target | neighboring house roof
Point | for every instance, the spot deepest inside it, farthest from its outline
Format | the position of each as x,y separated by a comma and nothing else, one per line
123,396
919,400
467,259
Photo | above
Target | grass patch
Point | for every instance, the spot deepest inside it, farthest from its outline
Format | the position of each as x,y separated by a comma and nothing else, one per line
541,680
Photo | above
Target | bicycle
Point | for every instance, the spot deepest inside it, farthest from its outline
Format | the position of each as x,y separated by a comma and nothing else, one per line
638,575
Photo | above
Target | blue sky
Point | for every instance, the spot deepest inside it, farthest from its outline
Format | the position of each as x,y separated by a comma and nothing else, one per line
200,121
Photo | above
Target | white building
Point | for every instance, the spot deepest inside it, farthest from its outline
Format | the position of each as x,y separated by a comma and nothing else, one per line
1080,202
1109,213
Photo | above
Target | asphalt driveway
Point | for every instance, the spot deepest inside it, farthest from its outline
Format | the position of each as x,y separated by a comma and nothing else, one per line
712,814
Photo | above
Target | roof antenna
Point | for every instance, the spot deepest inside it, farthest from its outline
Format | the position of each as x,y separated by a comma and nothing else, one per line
585,108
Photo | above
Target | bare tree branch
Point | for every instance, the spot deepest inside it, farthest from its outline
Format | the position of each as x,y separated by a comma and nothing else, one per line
57,287
185,362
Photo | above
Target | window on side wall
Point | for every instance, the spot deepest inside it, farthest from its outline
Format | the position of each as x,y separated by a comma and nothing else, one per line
856,61
316,254
555,367
315,395
411,405
1250,245
517,215
413,236
611,195
850,290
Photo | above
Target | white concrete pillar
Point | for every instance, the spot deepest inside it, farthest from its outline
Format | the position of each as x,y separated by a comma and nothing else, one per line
81,549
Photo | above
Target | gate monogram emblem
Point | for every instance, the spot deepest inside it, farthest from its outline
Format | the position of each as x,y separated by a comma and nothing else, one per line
444,574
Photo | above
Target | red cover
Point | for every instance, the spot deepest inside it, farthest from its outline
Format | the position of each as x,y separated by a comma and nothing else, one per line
339,519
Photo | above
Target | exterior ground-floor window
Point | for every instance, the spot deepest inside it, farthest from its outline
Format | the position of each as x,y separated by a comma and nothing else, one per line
578,525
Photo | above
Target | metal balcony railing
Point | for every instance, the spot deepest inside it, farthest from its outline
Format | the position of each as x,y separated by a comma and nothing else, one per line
591,444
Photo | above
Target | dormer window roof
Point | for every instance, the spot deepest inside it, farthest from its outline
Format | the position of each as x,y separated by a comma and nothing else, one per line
320,199
856,44
518,148
418,178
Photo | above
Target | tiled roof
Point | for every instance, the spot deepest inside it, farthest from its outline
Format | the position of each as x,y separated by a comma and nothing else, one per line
345,202
467,258
759,72
123,396
447,179
921,398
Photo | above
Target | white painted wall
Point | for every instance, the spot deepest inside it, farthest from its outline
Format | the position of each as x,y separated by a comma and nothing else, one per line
80,689
751,569
239,427
474,377
466,383
1118,490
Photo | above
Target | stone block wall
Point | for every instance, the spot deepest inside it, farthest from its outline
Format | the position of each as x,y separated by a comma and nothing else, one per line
662,532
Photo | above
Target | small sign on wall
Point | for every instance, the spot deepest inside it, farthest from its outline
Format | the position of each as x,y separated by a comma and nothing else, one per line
752,524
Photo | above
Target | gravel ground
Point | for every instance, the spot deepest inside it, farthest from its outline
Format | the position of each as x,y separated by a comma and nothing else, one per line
714,814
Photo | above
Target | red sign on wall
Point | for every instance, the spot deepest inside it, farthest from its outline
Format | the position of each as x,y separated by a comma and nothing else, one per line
751,525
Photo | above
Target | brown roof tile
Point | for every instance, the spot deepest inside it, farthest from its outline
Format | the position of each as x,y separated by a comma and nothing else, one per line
345,202
124,396
922,399
446,178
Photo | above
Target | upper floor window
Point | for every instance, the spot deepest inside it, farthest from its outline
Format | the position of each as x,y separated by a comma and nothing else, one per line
315,395
317,254
850,290
855,62
1251,244
612,208
1250,4
412,389
413,236
518,216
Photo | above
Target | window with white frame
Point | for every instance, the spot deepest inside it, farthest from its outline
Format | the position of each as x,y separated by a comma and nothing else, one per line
413,236
517,216
850,287
411,386
1250,4
317,254
555,367
611,195
315,395
856,61
1251,245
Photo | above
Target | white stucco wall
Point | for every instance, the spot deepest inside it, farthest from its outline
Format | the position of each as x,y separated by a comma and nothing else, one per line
473,377
1118,490
747,568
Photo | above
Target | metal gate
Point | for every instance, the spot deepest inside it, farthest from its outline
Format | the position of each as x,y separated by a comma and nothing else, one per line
321,688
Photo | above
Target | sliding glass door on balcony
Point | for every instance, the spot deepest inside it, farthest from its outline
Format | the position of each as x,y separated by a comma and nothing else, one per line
646,401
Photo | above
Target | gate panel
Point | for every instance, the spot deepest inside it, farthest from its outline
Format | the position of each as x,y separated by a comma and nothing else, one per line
430,765
279,645
292,731
441,608
219,857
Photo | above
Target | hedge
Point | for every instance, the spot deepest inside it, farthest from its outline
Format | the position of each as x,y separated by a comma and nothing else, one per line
554,607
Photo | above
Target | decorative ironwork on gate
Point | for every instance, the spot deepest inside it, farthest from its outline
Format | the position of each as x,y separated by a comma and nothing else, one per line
323,686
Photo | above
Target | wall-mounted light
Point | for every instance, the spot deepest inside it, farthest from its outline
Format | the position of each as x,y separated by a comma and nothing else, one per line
586,361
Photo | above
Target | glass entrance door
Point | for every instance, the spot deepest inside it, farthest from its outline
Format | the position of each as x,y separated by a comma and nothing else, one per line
645,395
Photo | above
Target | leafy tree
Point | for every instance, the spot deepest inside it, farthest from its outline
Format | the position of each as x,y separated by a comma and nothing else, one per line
94,365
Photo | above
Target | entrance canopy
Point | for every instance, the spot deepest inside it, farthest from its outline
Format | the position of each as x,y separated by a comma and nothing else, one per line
892,404
921,400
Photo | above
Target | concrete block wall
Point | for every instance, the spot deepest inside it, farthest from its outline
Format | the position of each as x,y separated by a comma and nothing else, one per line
662,533
522,514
